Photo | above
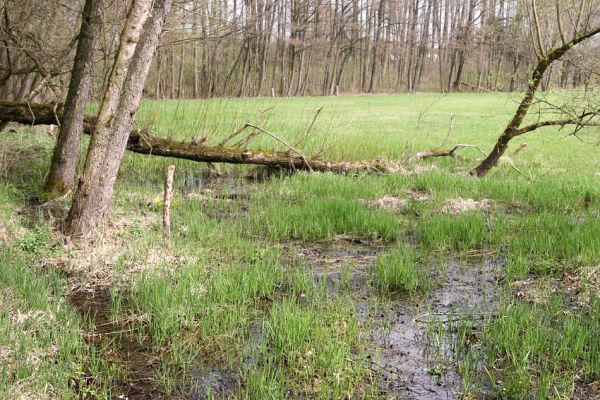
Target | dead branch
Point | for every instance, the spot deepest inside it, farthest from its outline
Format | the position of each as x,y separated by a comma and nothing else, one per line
307,133
289,146
561,122
443,153
450,127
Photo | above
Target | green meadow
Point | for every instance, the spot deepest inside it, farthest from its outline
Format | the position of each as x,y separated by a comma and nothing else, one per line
302,285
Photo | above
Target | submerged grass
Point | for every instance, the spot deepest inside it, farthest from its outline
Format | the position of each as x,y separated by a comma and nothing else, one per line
400,272
540,351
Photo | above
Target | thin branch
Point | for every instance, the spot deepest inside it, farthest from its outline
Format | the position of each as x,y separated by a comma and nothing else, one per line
307,133
450,127
289,146
511,163
537,30
443,153
558,122
234,134
559,22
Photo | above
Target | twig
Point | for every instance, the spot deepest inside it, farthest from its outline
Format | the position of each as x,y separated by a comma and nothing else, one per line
55,114
449,132
143,136
234,134
285,143
56,200
307,133
261,122
513,166
323,150
518,149
443,153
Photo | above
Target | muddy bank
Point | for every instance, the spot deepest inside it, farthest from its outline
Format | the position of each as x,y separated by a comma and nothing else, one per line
135,359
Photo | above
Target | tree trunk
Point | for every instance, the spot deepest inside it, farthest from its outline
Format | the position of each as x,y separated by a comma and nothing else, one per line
157,92
536,78
61,177
109,139
180,81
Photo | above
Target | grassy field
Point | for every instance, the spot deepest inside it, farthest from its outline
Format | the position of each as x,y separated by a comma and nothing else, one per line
419,285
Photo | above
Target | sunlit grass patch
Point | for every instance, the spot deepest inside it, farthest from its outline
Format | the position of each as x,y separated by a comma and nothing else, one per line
400,272
42,352
215,300
314,348
546,242
319,207
316,219
463,232
541,352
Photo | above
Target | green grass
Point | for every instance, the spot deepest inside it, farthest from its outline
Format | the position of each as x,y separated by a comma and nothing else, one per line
314,346
541,351
224,295
400,272
43,353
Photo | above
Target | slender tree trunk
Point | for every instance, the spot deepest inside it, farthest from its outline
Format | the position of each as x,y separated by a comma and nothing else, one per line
196,91
157,93
463,47
172,95
61,177
180,81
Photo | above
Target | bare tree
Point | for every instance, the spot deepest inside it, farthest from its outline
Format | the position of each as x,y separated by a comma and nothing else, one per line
582,30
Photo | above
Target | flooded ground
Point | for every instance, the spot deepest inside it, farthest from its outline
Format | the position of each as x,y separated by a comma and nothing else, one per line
411,339
204,182
415,340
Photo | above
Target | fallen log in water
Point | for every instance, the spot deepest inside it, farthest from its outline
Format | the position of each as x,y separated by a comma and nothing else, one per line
145,143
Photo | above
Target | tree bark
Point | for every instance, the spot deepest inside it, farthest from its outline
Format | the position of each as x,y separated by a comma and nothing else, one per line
61,176
92,198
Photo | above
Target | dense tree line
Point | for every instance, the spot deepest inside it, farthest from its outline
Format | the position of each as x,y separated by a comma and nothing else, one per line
303,47
318,47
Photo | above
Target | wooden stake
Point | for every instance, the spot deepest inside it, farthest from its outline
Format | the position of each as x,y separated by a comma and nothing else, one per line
167,202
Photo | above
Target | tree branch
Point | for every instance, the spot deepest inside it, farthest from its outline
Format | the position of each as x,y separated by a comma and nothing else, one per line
558,122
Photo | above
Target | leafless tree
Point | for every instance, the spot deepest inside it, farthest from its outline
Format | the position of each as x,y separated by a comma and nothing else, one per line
62,173
584,24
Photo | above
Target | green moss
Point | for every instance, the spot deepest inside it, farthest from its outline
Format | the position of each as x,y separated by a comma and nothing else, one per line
52,189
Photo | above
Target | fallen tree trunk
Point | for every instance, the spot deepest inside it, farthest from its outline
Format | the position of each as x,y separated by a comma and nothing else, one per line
145,143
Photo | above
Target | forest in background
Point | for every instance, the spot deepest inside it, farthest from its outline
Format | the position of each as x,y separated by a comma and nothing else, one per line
304,47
